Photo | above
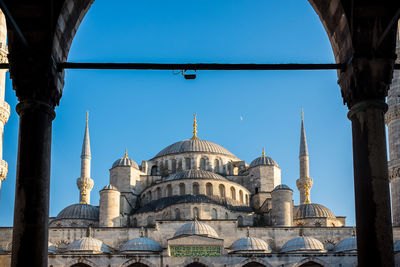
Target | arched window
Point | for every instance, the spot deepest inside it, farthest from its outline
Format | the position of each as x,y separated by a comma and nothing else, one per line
241,196
226,216
203,164
216,165
311,264
149,221
169,191
188,163
134,222
196,190
138,264
177,214
247,199
214,214
80,265
149,197
222,190
209,189
159,193
195,213
154,170
182,190
173,166
240,220
180,165
233,193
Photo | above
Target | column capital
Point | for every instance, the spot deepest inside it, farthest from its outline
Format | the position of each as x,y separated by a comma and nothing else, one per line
26,105
366,78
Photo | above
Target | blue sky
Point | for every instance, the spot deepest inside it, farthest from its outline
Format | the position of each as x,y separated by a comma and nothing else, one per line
145,111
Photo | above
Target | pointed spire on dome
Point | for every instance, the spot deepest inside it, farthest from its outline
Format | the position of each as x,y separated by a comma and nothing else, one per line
263,153
195,127
303,139
126,153
86,140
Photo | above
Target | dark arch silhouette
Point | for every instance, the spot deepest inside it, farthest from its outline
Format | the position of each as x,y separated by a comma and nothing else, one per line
80,265
311,264
253,264
195,264
138,264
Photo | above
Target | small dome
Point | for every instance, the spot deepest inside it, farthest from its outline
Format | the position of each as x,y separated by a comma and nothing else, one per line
194,174
51,248
347,244
141,244
109,187
250,244
396,246
194,145
303,243
80,211
282,187
263,160
125,162
196,228
313,211
88,244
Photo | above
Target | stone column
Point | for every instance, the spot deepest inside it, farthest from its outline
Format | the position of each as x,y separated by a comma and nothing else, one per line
364,85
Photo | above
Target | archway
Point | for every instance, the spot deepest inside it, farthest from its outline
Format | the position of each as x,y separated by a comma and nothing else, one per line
138,264
80,265
254,264
196,264
311,264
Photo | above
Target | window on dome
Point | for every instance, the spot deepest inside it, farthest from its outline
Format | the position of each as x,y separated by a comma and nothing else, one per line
214,214
195,213
180,165
169,191
247,199
188,163
233,193
222,190
196,189
216,166
173,167
177,214
209,189
182,189
154,170
203,164
241,196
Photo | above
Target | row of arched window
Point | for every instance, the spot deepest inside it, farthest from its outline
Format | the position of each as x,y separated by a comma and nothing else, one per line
162,168
243,198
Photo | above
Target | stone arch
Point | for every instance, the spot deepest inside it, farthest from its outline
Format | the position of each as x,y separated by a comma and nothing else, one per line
222,192
195,189
254,262
311,262
182,189
200,261
233,193
81,262
241,196
209,189
137,261
214,214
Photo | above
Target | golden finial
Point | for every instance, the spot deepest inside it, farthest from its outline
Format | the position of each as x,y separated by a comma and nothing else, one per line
263,153
194,127
126,153
302,114
307,189
84,193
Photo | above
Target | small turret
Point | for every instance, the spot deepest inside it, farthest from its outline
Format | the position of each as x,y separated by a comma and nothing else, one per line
109,215
282,207
85,183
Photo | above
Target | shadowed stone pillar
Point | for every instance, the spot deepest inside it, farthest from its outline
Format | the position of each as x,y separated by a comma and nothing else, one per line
364,86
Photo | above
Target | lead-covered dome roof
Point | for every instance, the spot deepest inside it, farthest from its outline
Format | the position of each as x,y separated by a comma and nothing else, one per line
141,244
125,162
250,244
313,210
195,174
51,248
196,228
263,160
347,244
303,243
282,187
88,244
79,211
194,145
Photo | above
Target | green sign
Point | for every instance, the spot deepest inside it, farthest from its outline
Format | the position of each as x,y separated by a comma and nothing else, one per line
195,251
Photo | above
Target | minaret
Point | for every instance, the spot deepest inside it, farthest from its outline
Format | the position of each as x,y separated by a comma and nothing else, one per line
4,107
304,183
85,183
393,122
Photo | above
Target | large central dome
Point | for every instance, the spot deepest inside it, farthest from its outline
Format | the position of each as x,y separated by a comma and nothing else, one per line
194,145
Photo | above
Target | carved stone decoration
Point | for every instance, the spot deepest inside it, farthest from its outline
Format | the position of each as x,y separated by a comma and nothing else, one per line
394,172
329,244
392,113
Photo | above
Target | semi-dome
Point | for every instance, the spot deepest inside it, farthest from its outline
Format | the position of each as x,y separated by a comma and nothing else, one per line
194,145
195,174
196,228
396,246
263,160
79,211
303,243
313,210
250,244
282,187
347,244
88,244
51,248
141,244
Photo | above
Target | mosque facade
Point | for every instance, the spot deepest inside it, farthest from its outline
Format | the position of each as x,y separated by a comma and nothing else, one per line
197,204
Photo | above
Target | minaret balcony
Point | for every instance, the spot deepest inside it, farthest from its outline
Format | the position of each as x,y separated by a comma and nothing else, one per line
3,169
4,111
